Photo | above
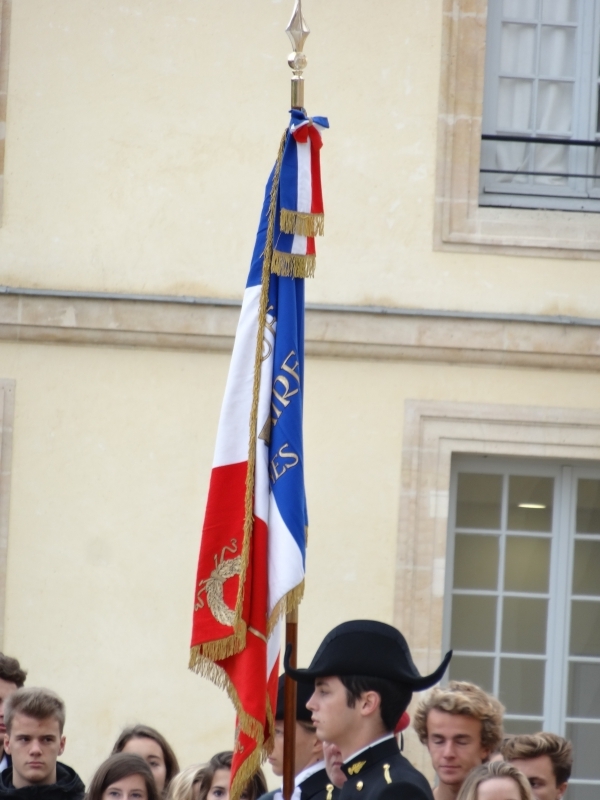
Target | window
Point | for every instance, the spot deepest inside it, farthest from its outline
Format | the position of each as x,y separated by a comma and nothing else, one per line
522,611
540,111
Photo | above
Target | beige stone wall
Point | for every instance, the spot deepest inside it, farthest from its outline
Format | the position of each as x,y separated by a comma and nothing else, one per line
111,459
140,135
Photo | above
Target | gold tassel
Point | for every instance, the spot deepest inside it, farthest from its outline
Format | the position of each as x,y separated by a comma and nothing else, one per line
301,223
291,265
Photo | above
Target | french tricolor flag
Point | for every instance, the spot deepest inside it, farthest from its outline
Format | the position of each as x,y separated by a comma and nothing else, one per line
252,551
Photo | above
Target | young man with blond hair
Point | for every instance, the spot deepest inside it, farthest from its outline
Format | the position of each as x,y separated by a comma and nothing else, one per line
34,738
545,759
461,725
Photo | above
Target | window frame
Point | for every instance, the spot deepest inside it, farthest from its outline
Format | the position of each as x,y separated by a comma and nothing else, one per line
563,537
460,223
579,193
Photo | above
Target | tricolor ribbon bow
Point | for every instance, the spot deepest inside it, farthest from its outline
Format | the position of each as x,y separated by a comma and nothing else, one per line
299,216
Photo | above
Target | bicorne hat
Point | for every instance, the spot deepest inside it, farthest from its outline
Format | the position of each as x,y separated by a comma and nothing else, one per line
368,648
303,693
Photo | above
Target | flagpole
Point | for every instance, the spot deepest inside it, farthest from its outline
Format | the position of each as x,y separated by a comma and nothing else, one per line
298,31
289,712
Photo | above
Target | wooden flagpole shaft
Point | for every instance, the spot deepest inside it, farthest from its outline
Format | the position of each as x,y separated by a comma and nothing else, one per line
289,719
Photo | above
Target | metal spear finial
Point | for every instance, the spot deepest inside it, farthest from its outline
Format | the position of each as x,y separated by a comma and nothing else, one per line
298,32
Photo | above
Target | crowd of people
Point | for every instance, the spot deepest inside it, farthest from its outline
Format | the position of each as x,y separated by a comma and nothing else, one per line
350,714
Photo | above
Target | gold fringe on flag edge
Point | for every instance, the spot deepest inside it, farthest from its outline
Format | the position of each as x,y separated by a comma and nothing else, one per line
250,726
292,265
302,223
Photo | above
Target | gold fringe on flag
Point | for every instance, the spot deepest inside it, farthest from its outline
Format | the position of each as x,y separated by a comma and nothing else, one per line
218,650
301,223
288,602
247,771
292,265
250,726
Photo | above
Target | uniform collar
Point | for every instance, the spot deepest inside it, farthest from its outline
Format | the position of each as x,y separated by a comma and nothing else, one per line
308,771
386,746
373,744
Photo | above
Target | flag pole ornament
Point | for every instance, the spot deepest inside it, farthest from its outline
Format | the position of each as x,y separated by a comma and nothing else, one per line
252,554
298,32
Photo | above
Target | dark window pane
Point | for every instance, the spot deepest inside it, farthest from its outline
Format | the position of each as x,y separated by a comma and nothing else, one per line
475,561
522,685
524,625
588,496
585,628
584,690
585,737
478,500
473,669
530,503
515,727
527,566
473,623
586,568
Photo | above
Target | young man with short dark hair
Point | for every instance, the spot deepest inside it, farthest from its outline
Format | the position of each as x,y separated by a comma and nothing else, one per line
12,677
364,679
34,738
545,759
461,725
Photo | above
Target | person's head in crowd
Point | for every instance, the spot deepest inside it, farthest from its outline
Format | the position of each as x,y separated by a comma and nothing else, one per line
461,725
34,738
545,759
144,741
123,776
12,677
496,755
495,781
186,784
364,678
308,747
216,776
333,764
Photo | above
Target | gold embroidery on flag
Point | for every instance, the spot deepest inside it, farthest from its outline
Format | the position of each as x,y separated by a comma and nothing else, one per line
213,586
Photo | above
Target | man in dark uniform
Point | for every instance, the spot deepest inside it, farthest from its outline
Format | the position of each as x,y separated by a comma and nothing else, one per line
364,678
311,782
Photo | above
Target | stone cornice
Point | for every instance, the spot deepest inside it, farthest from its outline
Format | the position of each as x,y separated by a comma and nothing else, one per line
331,331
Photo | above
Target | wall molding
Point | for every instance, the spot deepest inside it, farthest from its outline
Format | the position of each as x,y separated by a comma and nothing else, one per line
205,324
